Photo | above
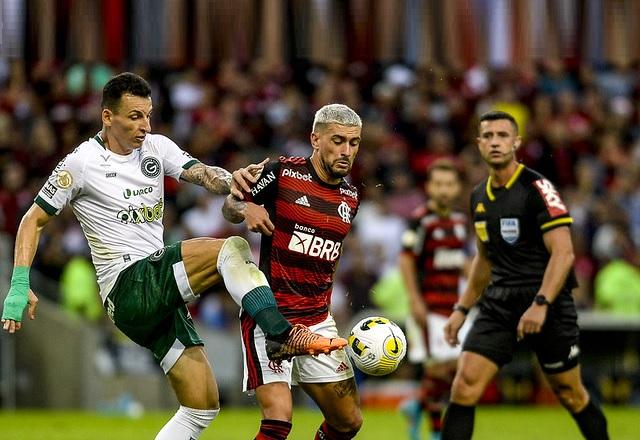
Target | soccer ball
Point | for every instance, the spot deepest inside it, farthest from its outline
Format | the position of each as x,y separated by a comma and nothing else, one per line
376,346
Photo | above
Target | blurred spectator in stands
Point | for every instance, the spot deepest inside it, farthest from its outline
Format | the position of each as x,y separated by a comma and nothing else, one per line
79,289
617,284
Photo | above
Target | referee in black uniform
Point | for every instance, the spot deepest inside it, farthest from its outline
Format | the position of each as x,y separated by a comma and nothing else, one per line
522,277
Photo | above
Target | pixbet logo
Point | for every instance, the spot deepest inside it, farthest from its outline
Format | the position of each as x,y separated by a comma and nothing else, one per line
312,245
296,175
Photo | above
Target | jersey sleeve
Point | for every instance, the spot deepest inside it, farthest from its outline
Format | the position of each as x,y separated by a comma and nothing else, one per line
550,210
265,189
63,185
409,237
174,159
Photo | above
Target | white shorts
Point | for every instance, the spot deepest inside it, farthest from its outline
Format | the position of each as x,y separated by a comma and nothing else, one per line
439,349
259,370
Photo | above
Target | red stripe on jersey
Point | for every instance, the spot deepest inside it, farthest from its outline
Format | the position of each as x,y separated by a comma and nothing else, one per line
551,197
254,376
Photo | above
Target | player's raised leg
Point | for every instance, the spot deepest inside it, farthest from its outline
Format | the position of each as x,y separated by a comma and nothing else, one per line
208,260
572,394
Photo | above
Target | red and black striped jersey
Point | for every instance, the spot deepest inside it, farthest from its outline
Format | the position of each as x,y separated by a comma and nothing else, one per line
311,220
437,243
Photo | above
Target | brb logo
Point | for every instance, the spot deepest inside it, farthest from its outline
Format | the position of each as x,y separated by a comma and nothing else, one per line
305,242
552,199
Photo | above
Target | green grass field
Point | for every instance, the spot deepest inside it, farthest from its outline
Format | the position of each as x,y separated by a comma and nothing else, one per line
492,423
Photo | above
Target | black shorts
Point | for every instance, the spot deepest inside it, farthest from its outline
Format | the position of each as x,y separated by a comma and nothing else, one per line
494,331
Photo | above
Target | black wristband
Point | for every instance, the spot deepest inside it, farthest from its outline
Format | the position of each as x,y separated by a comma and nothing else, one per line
460,308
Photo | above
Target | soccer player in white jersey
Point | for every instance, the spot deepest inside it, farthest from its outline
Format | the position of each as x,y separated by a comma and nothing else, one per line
114,184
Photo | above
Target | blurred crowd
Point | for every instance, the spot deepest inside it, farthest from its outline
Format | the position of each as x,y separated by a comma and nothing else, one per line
580,126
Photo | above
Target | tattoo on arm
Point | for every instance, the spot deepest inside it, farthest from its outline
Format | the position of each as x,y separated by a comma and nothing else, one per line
345,388
214,179
233,209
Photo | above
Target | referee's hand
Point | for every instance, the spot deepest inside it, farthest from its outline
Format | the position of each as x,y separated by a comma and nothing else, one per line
452,327
531,321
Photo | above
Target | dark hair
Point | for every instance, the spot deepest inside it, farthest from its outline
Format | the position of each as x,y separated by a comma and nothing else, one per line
443,164
124,83
497,115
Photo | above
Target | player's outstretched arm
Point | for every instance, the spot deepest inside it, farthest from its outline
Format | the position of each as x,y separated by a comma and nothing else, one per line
220,181
25,249
256,217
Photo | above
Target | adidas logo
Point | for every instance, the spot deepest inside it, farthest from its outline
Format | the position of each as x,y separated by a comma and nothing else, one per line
303,201
342,367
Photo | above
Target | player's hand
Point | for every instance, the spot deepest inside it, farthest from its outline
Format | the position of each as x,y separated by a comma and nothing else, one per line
531,321
452,327
13,309
257,219
241,179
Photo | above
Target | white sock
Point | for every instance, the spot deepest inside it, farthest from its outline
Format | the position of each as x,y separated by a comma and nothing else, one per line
187,424
239,272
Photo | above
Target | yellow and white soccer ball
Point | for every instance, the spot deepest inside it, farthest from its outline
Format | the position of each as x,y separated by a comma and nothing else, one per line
376,346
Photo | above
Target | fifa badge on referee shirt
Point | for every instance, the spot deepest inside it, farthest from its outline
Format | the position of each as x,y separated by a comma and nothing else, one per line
510,229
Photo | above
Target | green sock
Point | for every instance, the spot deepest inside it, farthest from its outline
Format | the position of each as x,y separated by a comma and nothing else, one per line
260,304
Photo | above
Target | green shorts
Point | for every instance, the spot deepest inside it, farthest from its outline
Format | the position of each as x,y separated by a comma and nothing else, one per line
147,303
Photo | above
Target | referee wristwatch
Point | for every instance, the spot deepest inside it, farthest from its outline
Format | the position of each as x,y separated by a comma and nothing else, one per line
541,300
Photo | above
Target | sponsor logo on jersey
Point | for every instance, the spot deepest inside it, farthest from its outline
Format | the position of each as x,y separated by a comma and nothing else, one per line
64,179
296,175
150,167
445,258
344,211
303,201
49,190
480,208
262,183
108,175
555,206
309,244
128,193
141,214
348,192
105,157
510,229
342,367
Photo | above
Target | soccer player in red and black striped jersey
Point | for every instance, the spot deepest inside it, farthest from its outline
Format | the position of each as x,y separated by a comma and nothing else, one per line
304,208
522,277
431,263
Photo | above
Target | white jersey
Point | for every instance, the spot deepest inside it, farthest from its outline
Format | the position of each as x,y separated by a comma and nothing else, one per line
118,200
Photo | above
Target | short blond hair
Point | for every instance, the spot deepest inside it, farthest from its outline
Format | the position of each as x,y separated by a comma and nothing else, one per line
336,114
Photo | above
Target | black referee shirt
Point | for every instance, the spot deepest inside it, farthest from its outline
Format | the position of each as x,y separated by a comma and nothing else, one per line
511,221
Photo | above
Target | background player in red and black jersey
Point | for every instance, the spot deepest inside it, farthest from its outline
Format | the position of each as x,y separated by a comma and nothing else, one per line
522,276
304,208
431,263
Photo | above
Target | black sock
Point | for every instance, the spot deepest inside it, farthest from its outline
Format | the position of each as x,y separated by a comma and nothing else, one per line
273,323
592,422
458,422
